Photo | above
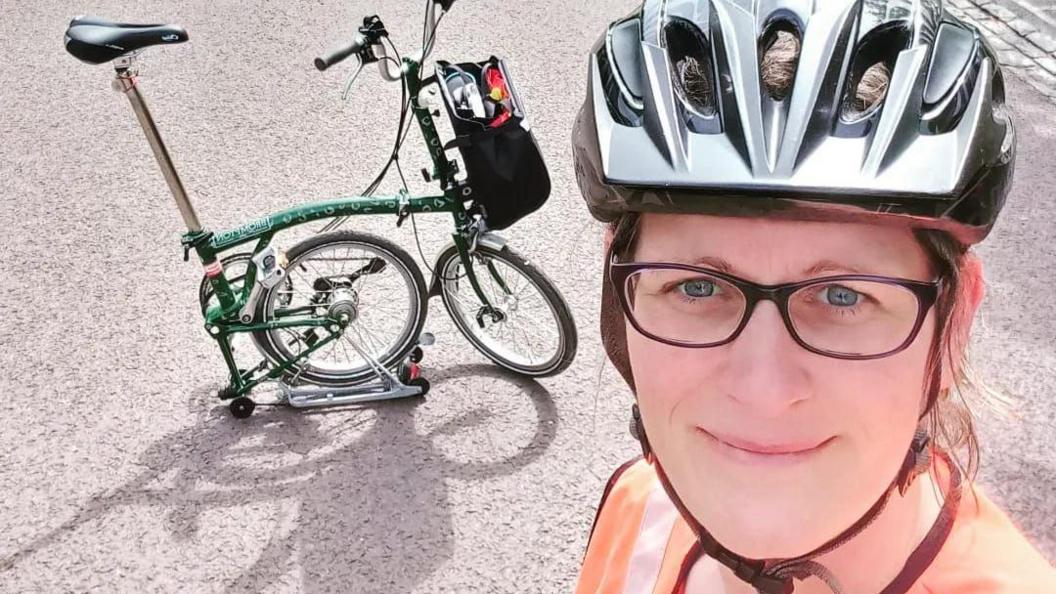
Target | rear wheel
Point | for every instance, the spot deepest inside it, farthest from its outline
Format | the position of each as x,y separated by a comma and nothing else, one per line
367,278
528,329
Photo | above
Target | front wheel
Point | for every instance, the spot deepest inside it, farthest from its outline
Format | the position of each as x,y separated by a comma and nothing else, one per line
528,328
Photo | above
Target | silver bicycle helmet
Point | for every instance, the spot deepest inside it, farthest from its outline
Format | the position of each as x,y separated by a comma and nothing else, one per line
677,117
682,116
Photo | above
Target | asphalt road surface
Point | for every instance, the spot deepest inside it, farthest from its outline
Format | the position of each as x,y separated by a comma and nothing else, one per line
121,471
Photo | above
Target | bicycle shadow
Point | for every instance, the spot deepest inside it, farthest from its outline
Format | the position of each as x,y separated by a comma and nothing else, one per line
370,503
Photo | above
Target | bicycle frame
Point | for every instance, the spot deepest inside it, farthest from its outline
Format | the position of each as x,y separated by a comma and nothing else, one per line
222,321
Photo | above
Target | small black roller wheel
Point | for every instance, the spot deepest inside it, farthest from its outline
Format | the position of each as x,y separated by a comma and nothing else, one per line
242,407
420,382
417,354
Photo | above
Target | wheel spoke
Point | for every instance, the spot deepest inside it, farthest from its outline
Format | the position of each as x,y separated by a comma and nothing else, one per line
348,356
376,346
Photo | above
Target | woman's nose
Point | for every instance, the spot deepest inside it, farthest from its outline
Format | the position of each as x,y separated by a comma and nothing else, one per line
765,369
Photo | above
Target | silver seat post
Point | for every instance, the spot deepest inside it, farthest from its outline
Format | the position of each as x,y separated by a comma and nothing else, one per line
125,82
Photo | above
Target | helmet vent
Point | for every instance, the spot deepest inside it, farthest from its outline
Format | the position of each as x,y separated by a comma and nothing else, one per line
695,84
870,73
779,59
689,55
868,92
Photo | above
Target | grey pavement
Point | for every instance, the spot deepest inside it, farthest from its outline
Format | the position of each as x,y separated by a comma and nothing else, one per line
121,472
1038,15
1023,32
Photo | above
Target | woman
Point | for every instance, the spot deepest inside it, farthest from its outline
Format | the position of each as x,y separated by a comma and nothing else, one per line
792,190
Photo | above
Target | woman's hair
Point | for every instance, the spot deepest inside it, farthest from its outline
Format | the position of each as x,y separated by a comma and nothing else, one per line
949,420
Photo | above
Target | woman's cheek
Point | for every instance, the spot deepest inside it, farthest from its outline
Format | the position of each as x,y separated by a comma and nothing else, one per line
883,411
664,377
891,421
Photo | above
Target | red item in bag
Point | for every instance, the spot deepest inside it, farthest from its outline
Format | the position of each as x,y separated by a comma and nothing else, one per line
499,92
494,79
500,119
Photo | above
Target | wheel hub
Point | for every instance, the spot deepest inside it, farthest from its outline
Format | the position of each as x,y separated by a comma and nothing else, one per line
344,302
494,314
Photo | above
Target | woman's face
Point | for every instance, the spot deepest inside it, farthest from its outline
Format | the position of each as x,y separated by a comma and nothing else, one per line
722,419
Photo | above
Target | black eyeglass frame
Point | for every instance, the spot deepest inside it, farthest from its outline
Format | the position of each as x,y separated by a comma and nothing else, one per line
927,294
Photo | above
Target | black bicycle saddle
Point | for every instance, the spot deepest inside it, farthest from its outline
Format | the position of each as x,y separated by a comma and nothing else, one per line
94,40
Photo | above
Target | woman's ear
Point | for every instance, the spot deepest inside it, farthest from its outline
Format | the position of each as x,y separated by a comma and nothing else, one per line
965,311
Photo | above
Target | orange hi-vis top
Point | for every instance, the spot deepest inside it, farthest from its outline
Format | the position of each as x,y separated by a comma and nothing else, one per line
641,545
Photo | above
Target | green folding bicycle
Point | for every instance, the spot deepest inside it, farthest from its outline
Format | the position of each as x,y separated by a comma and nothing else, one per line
338,317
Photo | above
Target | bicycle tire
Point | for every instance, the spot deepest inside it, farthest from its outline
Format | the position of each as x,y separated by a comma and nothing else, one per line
447,265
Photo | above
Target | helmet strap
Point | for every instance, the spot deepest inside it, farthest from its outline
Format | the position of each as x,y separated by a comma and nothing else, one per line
917,461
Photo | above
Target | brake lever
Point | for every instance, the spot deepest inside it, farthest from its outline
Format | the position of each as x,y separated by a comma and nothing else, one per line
352,79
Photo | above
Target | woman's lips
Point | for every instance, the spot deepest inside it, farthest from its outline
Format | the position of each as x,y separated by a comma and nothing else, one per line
749,452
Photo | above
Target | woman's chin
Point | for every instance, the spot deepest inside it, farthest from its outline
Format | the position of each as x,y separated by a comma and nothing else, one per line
757,526
758,538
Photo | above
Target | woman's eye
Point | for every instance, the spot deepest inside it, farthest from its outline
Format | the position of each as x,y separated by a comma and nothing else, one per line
698,288
840,295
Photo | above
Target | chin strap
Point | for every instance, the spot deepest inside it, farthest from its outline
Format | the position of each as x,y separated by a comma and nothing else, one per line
776,576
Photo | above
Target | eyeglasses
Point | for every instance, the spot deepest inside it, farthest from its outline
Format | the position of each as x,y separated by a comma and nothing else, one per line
852,316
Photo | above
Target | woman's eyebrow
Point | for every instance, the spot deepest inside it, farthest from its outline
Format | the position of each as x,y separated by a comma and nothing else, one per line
716,263
815,269
830,266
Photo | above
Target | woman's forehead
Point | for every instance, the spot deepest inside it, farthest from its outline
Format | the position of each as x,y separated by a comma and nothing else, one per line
760,248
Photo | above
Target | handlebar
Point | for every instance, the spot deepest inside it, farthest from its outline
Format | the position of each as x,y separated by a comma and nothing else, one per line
340,54
367,43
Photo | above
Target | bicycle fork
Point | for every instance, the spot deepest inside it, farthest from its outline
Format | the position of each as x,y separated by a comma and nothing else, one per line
465,253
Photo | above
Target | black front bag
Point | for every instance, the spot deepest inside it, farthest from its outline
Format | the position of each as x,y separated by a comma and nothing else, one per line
505,171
